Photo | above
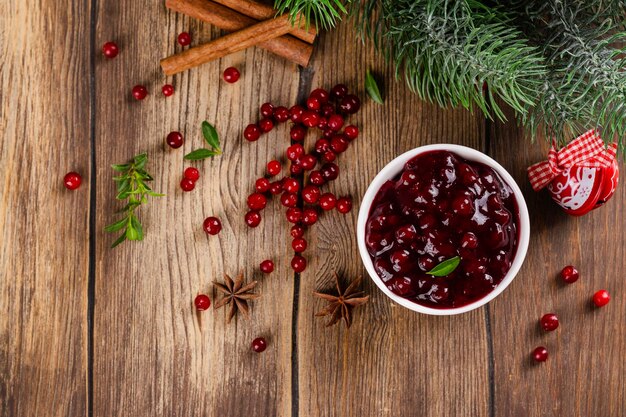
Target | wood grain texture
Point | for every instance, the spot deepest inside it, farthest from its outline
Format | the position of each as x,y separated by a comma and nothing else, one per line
584,375
391,362
44,228
154,355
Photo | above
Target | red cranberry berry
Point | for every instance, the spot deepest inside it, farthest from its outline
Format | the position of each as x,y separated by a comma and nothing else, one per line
320,94
281,114
291,185
322,146
299,245
140,92
328,110
262,185
310,194
184,38
404,234
257,201
540,354
350,104
267,110
328,201
252,132
273,168
259,345
295,113
192,173
187,185
110,49
335,122
569,274
310,119
339,144
175,140
329,156
167,90
549,322
202,302
298,263
297,133
313,103
330,171
231,75
308,162
316,178
344,205
351,132
267,266
322,123
288,199
339,91
295,169
469,241
72,180
294,152
297,231
309,216
266,125
212,225
253,218
294,215
276,187
601,298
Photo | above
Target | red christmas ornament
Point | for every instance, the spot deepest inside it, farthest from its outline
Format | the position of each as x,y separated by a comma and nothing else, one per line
580,177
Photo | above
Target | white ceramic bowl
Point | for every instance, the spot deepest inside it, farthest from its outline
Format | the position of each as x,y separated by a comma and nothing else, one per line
391,170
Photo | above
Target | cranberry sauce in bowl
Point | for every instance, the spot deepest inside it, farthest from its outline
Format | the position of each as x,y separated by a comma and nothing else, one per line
438,207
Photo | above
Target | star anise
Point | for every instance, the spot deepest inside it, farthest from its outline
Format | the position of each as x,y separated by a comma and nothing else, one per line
340,306
236,294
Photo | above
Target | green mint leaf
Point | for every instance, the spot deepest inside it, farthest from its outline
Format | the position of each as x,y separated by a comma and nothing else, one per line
445,268
119,225
120,168
210,135
200,154
119,240
137,226
372,88
131,233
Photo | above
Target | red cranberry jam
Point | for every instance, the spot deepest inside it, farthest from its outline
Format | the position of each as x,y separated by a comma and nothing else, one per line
439,207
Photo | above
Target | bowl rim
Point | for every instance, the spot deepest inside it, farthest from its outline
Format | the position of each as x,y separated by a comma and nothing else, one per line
393,168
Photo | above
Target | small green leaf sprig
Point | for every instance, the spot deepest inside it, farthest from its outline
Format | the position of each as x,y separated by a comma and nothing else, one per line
445,268
372,88
131,186
212,139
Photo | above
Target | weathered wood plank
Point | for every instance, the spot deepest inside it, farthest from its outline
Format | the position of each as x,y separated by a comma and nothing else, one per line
153,354
44,256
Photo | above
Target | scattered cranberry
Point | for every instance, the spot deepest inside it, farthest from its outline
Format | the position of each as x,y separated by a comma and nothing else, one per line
549,322
192,173
187,185
175,140
184,38
351,132
289,199
252,132
322,146
273,168
267,266
310,119
295,113
72,180
212,225
167,90
328,110
253,218
350,104
335,122
257,201
231,75
310,194
328,201
540,354
140,92
339,144
202,302
329,156
294,215
569,274
281,114
322,123
297,133
344,205
308,162
316,178
259,345
313,103
601,298
297,231
299,245
320,94
291,185
330,171
295,169
266,125
309,216
276,187
110,49
339,91
267,110
294,152
298,263
262,185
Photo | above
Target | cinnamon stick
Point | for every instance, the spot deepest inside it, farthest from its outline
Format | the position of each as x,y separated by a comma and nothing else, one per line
260,11
227,19
228,44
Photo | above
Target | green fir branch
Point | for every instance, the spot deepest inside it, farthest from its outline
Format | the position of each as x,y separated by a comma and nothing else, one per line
324,14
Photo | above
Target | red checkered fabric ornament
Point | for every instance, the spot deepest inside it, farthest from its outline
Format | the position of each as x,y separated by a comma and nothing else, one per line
580,177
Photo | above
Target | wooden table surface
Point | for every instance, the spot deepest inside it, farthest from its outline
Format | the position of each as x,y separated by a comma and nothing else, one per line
87,330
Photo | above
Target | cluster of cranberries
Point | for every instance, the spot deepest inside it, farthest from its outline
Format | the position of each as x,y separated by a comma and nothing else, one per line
190,176
550,322
326,112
